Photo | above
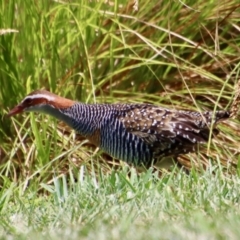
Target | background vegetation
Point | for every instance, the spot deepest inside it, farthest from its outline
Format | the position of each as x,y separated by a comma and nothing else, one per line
171,53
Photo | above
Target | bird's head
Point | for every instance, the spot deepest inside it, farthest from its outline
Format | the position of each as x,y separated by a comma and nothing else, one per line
41,101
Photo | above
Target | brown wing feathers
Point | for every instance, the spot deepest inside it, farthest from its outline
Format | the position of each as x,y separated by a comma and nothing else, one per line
163,124
170,131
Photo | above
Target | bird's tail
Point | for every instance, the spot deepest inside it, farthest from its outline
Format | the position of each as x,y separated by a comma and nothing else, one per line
236,101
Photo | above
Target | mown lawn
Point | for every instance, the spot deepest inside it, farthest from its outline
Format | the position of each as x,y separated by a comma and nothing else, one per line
115,206
56,185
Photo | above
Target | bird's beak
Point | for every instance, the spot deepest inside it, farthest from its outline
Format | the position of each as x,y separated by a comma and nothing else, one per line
16,110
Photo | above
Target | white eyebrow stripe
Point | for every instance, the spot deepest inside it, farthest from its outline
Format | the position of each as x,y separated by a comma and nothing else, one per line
39,95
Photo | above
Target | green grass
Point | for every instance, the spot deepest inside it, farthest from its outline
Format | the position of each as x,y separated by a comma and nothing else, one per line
55,184
116,206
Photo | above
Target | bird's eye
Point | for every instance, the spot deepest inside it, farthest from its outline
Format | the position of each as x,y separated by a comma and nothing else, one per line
27,101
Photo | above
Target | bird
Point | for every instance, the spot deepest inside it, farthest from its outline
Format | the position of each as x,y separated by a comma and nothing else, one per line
140,134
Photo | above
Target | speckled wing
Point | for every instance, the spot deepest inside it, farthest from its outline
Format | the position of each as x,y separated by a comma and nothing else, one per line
167,129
